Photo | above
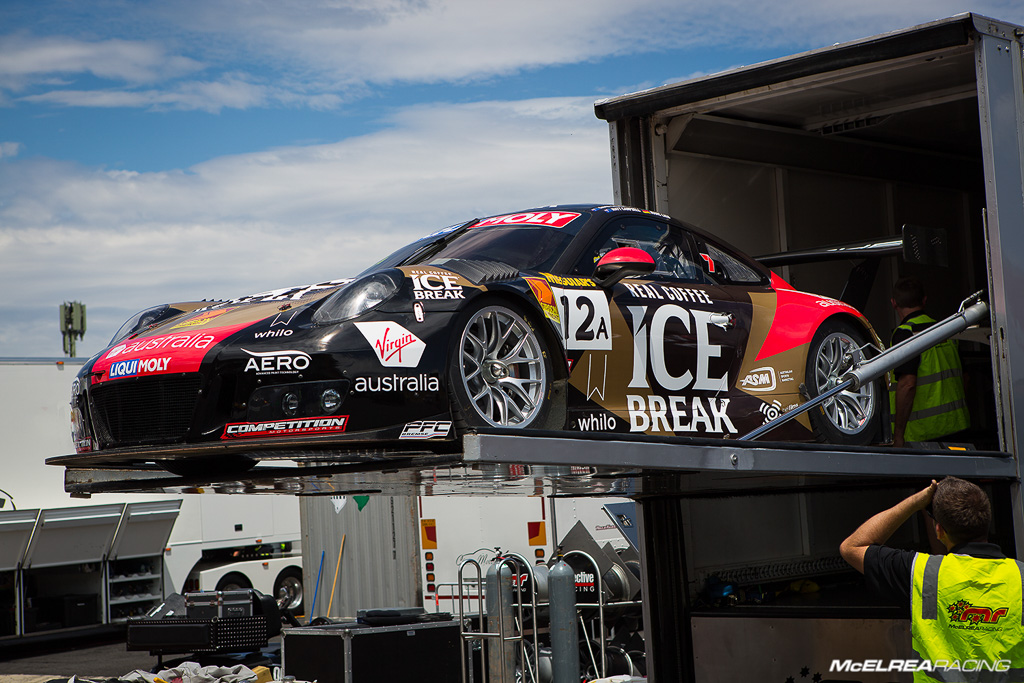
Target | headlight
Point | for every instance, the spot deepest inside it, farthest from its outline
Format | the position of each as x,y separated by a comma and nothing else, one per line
359,297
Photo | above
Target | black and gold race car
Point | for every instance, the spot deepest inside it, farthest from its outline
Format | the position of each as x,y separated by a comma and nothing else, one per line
576,318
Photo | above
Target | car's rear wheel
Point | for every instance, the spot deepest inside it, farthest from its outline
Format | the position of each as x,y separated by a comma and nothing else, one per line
499,372
850,417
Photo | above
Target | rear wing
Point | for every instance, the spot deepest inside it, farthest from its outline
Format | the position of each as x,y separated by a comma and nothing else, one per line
916,244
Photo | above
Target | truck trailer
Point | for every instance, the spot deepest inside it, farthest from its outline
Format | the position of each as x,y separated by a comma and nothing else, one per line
919,127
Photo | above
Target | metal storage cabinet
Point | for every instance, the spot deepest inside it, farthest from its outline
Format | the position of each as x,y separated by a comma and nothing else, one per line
357,653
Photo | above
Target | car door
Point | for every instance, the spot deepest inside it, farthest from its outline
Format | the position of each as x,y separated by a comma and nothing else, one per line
656,354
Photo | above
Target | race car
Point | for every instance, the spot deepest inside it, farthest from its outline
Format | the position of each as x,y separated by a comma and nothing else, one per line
580,318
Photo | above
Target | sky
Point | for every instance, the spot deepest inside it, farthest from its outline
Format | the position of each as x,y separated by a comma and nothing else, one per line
179,150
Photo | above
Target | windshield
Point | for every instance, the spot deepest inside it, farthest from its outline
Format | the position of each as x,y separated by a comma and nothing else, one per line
525,247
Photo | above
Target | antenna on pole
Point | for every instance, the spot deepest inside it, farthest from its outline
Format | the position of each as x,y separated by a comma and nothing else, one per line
72,324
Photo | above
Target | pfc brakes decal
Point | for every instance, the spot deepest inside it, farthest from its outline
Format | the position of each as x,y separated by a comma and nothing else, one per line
300,427
395,346
426,429
551,219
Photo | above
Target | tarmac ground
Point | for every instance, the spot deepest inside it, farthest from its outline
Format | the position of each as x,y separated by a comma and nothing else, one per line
93,659
104,659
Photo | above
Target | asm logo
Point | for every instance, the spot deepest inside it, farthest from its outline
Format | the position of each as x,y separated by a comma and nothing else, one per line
759,379
961,610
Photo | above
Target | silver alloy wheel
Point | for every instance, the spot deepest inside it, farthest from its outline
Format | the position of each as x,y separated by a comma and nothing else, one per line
291,591
849,411
502,367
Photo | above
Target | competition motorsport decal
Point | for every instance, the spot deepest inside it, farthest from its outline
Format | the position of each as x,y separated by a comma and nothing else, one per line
299,427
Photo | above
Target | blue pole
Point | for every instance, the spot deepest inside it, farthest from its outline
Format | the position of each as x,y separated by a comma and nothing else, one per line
316,590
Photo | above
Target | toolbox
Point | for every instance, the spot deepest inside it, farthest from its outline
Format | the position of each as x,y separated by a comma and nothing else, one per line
220,604
209,622
351,652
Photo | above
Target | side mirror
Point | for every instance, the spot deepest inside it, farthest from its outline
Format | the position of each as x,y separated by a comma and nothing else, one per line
621,262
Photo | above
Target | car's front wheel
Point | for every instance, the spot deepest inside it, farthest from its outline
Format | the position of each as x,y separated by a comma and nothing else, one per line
850,417
499,371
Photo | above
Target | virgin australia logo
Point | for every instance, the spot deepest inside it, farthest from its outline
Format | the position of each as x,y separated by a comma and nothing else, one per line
395,346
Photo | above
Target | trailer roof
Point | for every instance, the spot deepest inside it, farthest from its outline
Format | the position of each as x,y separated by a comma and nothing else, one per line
952,32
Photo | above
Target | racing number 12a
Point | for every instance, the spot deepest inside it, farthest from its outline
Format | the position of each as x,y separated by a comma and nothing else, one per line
586,320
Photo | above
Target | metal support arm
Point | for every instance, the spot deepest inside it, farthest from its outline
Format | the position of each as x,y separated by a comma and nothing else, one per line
972,311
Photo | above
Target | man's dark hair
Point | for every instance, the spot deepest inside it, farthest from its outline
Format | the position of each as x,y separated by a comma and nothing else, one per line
908,292
962,509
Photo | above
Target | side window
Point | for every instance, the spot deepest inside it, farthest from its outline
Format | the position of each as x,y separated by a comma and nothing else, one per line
726,268
665,243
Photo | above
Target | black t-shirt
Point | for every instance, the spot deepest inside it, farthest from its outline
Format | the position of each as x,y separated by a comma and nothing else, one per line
887,570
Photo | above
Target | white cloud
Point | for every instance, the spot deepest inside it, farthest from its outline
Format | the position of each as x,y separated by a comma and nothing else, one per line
209,96
120,241
451,40
25,58
319,52
9,149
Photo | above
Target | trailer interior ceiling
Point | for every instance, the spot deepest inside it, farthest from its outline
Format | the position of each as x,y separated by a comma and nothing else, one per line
847,143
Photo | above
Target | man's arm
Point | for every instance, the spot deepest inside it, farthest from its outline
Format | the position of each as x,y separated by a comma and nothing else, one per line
879,528
906,388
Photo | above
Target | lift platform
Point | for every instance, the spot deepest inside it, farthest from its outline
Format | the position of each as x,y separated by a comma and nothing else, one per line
517,462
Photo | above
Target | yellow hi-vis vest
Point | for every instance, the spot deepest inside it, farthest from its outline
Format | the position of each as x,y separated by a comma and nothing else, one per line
967,618
939,405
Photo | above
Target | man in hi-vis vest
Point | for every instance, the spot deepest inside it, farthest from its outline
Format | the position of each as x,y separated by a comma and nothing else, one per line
927,401
967,605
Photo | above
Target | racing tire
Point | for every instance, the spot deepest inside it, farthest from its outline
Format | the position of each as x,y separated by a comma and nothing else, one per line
499,372
851,417
289,582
